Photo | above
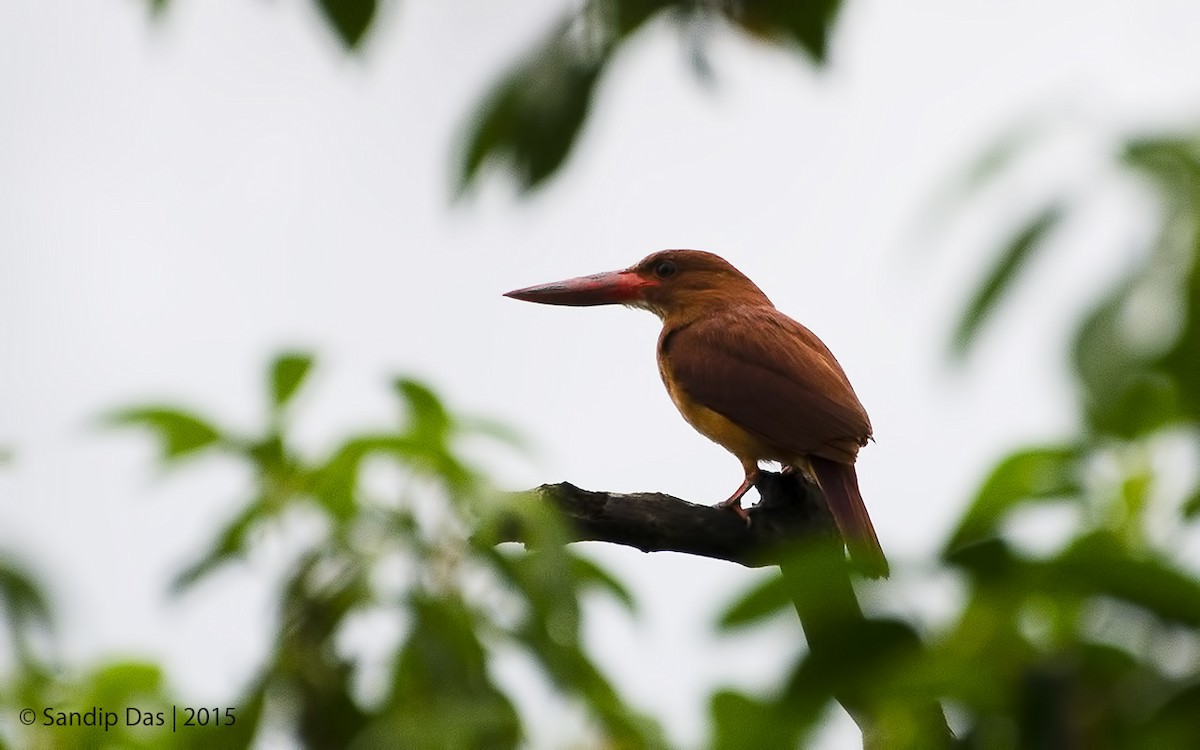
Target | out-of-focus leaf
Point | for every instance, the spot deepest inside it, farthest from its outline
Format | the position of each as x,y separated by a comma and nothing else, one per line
1175,725
181,433
1191,506
589,574
125,699
1002,152
428,417
23,604
1096,564
1171,161
1123,394
967,182
124,680
443,695
229,545
987,559
864,653
1171,165
858,664
1182,361
765,599
1076,698
268,455
1027,476
1012,257
321,591
740,721
531,118
808,22
497,431
335,483
349,18
158,7
288,372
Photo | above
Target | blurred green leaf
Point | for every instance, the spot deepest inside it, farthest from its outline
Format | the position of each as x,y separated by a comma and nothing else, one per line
288,372
109,691
809,22
530,120
740,721
349,18
987,559
1097,564
443,694
863,652
1030,475
1182,361
181,433
1191,506
25,606
498,431
429,419
1174,724
1172,161
765,599
229,545
1123,394
1012,257
588,574
1003,152
532,117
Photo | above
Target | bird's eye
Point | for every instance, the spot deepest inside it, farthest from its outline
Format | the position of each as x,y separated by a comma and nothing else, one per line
665,269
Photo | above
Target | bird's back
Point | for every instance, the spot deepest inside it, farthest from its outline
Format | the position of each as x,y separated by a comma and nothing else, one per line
768,375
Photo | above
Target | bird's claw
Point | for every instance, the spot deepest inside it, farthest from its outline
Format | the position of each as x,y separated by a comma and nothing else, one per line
736,507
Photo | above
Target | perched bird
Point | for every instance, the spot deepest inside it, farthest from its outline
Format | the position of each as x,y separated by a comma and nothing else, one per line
746,376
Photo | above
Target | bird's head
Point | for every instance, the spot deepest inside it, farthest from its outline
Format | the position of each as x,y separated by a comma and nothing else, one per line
668,283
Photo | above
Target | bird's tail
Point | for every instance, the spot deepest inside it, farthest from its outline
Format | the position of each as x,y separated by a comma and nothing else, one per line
840,485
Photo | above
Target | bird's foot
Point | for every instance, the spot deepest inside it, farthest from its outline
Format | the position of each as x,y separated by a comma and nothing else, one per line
734,504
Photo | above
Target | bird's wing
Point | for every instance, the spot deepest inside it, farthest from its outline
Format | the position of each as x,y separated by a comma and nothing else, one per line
772,377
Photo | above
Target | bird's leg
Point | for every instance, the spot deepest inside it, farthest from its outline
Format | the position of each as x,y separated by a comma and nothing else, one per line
734,503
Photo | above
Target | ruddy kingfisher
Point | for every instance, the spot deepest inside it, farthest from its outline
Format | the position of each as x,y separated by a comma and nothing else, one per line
746,376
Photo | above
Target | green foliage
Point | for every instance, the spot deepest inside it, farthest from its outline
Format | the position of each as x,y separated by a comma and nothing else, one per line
1012,258
1031,475
349,18
460,597
180,433
741,721
1094,642
125,704
533,115
26,610
1067,649
805,23
759,603
287,375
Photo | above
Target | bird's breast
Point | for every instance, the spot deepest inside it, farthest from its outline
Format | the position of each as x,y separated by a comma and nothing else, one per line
712,425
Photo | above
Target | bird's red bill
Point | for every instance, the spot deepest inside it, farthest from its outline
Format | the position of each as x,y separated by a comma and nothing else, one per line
614,287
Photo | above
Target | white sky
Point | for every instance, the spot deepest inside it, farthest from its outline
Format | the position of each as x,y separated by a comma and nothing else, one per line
178,202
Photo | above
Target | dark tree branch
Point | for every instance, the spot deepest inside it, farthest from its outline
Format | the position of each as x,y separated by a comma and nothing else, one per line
789,510
790,527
